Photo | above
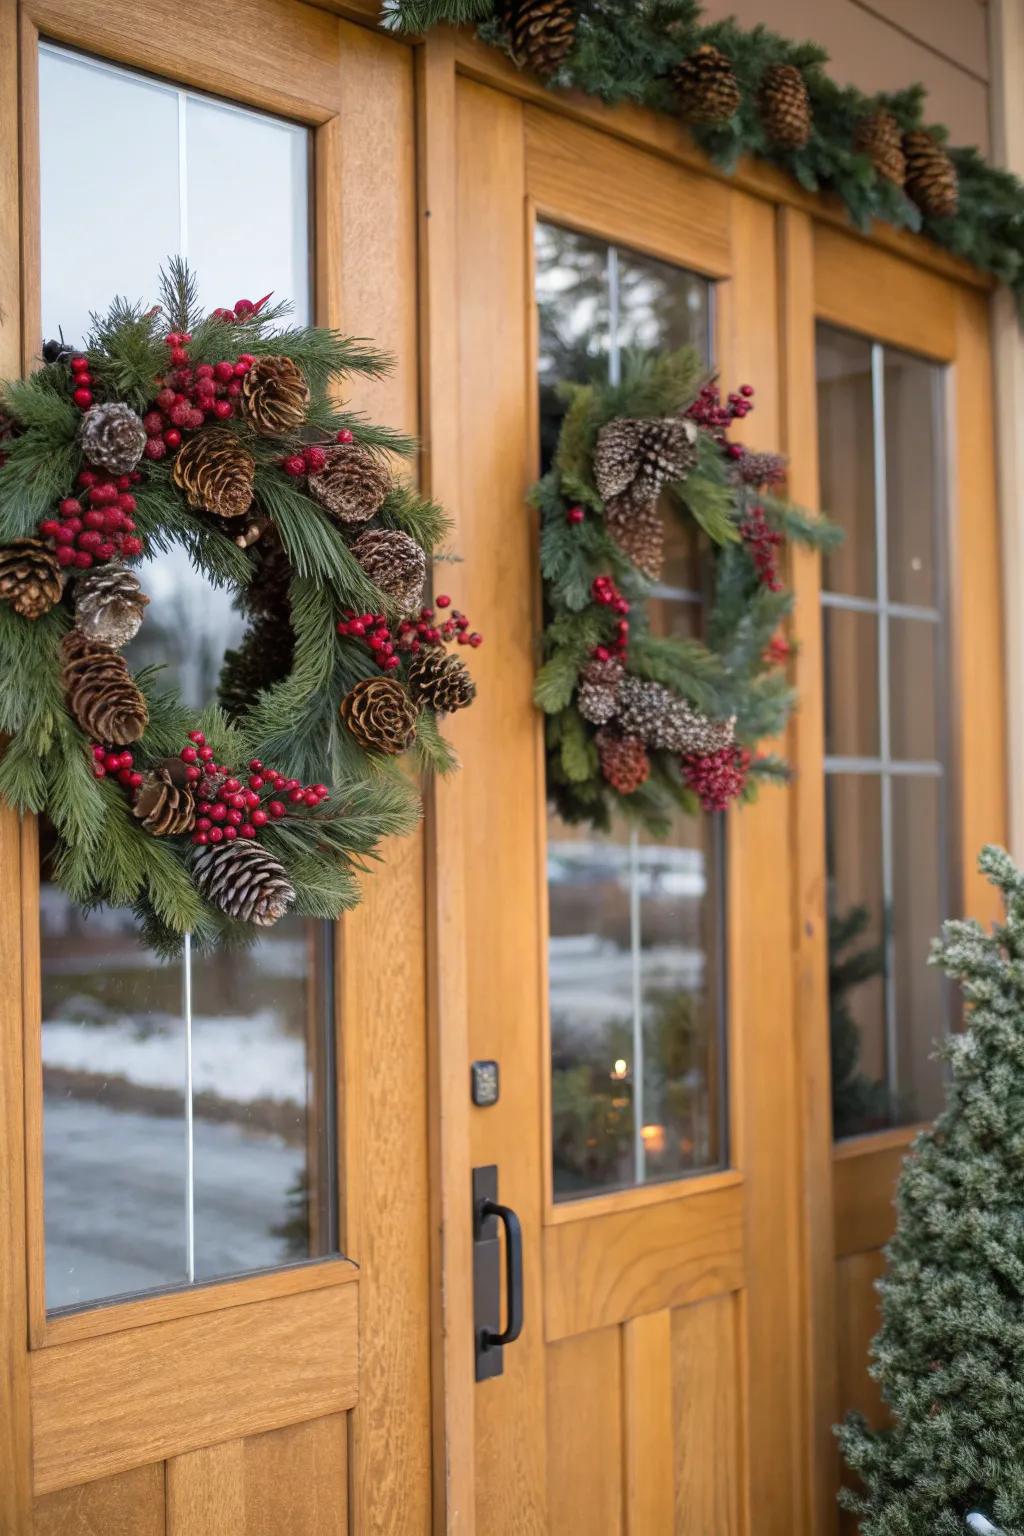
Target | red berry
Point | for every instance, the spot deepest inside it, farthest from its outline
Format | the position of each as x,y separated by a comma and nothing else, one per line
82,398
255,764
65,555
126,502
124,777
235,387
188,754
218,810
243,307
222,409
179,356
88,477
203,823
71,507
155,448
443,600
215,835
153,421
344,436
79,364
575,515
165,398
98,771
241,369
131,547
224,372
204,371
277,809
91,539
295,464
50,528
172,437
316,458
82,559
234,818
476,640
94,519
106,550
232,786
230,833
247,829
259,818
193,774
311,798
246,358
389,663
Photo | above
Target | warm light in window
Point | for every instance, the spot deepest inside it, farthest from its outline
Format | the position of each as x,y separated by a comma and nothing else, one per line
653,1138
620,1068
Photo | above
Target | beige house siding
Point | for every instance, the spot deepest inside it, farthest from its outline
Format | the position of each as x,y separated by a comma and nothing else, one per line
888,44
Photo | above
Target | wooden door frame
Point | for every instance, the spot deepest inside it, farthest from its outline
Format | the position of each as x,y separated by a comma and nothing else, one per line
351,88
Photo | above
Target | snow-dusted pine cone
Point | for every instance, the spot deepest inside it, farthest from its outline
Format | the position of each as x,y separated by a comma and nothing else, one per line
352,485
112,437
395,564
597,693
245,881
109,604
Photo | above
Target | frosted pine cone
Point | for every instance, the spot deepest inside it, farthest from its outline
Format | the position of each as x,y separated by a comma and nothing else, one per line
395,564
353,484
109,605
637,528
667,722
642,457
597,693
112,437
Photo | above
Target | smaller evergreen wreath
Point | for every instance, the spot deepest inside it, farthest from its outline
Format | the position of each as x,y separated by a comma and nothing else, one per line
642,723
219,433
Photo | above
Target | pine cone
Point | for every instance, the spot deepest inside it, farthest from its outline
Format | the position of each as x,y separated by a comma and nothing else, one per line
165,807
638,530
540,32
30,577
785,107
352,484
112,437
706,86
101,693
395,563
245,881
275,396
381,715
624,761
216,471
878,136
666,722
109,605
597,693
440,681
931,175
643,456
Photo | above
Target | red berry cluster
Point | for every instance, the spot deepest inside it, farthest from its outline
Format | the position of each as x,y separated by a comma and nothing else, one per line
311,460
604,591
718,777
777,652
708,410
244,310
85,535
413,634
230,809
763,541
120,764
575,515
82,380
189,396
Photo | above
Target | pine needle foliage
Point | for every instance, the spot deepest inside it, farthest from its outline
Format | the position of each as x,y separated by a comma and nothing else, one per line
627,50
285,681
730,674
949,1356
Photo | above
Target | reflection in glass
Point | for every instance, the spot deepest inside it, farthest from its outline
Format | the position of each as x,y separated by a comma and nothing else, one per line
114,1029
851,687
635,963
884,638
846,459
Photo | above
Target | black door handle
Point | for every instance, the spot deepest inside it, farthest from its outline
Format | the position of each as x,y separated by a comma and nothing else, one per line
488,1213
513,1274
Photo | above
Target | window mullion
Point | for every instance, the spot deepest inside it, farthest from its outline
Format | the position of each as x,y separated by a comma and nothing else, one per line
884,708
190,1145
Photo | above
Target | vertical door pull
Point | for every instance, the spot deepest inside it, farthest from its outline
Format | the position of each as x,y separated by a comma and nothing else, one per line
489,1216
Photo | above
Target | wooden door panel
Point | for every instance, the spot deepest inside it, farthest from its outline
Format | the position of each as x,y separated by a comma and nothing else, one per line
707,1399
584,1410
128,1504
290,1480
649,1425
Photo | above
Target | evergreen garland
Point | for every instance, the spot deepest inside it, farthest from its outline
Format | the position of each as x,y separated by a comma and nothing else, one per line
689,739
270,786
950,1352
628,50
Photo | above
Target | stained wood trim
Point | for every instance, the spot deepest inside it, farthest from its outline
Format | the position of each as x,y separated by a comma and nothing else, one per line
640,1196
284,42
668,137
623,1264
807,832
598,184
866,289
105,1405
454,1443
864,1184
648,1421
31,1013
97,1322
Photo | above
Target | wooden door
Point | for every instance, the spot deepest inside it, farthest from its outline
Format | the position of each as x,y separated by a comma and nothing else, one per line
657,1385
910,754
296,1399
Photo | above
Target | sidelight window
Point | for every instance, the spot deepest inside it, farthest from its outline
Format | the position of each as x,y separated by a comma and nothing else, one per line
880,414
636,927
189,1107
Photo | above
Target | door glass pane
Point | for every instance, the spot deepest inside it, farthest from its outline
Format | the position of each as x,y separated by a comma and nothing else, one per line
856,916
886,716
911,478
636,927
845,455
118,1201
851,693
915,726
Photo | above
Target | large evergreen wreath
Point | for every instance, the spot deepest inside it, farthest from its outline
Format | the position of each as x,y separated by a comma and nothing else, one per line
219,433
642,723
